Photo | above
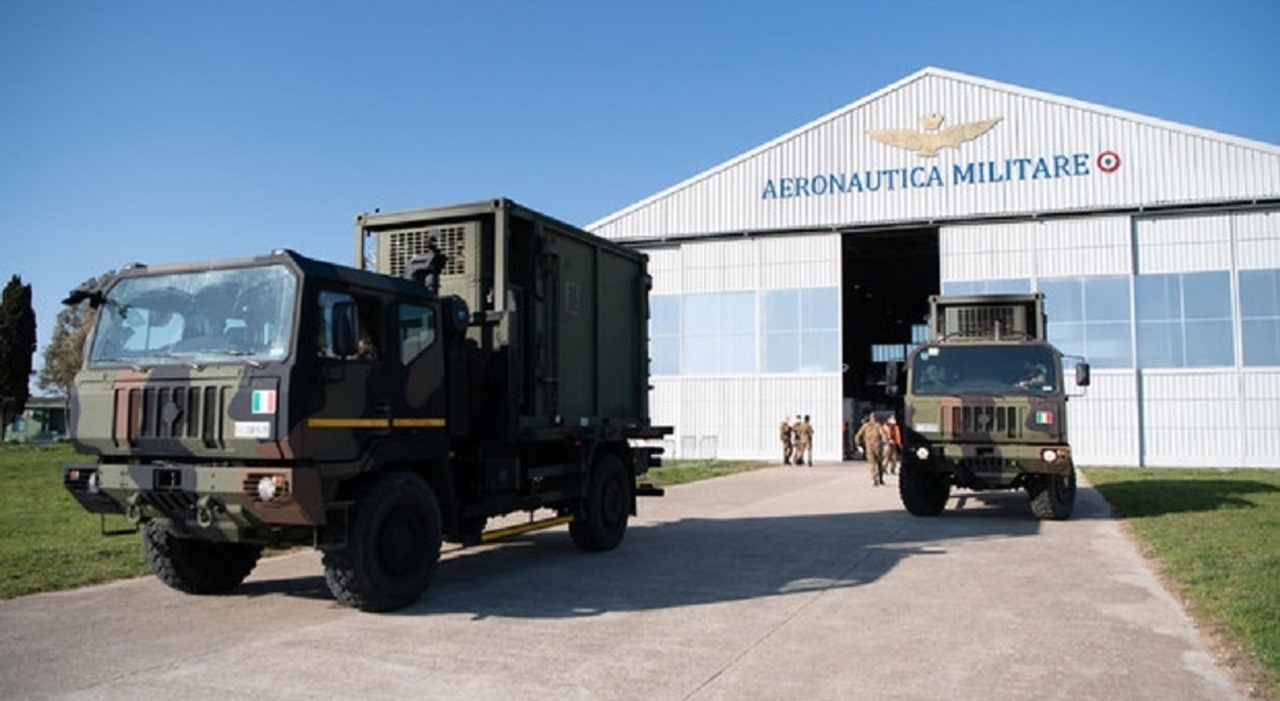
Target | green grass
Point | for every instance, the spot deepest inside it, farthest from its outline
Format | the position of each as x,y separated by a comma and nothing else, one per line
1216,534
47,541
675,472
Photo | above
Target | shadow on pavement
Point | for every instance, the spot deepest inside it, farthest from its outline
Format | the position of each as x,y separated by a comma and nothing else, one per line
695,561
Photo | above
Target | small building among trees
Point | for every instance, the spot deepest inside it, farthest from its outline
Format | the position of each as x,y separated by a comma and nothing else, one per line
43,420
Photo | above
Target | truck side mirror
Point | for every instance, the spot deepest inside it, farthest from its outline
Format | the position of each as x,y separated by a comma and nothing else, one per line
893,374
1082,374
343,330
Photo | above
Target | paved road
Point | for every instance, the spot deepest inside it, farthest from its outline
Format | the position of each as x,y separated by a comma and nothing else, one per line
787,583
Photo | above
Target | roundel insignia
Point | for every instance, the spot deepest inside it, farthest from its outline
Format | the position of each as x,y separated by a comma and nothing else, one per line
1108,161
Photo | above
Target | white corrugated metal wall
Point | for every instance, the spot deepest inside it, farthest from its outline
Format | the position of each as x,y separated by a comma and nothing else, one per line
736,416
1226,415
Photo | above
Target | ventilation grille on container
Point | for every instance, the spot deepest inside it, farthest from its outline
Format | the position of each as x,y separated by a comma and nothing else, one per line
151,413
404,244
981,322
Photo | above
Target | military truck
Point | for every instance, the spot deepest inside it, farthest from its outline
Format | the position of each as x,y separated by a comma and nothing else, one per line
501,369
985,406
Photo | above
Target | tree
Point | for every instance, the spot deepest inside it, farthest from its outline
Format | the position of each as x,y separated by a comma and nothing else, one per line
17,345
63,355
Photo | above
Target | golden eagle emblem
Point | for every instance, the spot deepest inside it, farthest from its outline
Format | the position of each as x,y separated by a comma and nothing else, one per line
926,143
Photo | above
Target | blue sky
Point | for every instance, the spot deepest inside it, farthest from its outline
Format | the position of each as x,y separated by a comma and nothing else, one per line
180,131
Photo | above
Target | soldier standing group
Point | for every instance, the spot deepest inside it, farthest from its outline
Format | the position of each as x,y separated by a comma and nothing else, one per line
797,440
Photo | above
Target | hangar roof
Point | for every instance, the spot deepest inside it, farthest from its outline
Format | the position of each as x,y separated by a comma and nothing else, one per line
941,146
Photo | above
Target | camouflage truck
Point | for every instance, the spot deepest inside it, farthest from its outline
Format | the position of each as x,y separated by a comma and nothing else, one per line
283,400
985,406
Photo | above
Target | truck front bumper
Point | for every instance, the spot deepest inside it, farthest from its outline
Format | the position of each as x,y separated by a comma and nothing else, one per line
227,499
991,465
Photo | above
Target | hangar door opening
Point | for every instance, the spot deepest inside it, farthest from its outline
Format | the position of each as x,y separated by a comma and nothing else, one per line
886,280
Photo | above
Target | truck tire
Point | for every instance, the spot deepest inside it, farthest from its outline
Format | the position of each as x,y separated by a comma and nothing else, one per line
197,566
923,492
1053,496
392,545
600,520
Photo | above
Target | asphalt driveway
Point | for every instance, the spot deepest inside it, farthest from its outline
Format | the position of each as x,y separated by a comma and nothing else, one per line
786,583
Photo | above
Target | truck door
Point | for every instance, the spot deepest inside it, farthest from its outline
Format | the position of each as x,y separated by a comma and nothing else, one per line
354,410
419,405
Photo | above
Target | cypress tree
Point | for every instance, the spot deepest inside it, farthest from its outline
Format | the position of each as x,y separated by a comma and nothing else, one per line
17,345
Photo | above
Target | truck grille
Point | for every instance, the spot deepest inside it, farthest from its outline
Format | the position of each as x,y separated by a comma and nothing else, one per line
1005,421
149,413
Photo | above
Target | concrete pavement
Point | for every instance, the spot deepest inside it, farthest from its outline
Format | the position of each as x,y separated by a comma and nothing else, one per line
786,583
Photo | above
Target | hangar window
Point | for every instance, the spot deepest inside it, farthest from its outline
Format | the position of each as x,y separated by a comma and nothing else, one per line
1184,320
719,333
801,330
1260,317
1009,286
1089,317
664,334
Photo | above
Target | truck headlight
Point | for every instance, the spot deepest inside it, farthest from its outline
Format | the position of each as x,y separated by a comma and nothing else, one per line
268,487
1049,455
922,453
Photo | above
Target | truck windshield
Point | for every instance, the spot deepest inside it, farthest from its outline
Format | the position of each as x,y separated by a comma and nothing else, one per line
196,318
985,369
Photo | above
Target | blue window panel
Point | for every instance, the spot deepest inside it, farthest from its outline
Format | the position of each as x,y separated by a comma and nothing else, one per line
1159,344
820,351
1108,345
1259,294
664,355
960,287
664,315
1063,299
781,311
738,353
1067,336
1207,295
1261,341
1106,298
1158,297
782,352
1209,344
701,315
1007,287
738,313
820,308
701,355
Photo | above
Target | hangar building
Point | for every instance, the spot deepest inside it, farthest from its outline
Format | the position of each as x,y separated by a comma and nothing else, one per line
786,277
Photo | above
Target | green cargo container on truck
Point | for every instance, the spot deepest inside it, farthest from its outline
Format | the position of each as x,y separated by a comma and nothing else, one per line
985,404
283,400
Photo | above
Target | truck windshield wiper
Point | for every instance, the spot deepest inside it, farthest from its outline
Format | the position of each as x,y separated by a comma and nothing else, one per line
135,365
242,354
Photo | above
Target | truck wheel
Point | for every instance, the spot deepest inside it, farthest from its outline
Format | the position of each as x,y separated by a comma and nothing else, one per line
600,520
197,566
1053,496
923,492
392,545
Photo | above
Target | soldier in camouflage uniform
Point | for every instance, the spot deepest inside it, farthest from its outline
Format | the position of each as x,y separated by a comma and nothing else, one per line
784,434
870,439
804,442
